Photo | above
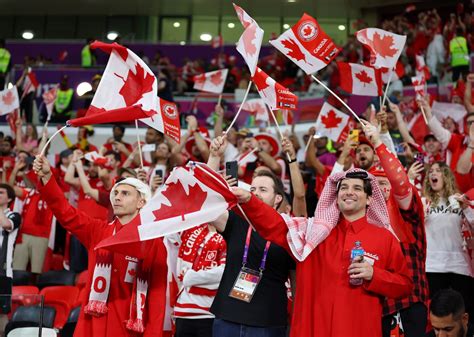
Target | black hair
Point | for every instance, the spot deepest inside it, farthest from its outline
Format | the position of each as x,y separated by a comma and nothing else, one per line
469,114
10,191
116,155
459,31
447,302
120,127
358,175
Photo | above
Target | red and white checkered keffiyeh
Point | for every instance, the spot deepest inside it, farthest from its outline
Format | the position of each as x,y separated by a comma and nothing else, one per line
305,234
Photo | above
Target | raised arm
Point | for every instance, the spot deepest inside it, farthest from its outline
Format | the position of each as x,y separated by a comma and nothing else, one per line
312,160
218,125
467,93
71,170
299,193
84,182
402,126
441,134
80,224
464,164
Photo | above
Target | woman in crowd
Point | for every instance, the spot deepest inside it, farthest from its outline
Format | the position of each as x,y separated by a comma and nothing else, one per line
447,260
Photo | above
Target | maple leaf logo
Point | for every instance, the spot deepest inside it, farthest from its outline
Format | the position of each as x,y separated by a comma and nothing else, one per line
307,30
136,85
250,33
331,120
295,51
132,272
8,98
364,77
176,195
383,45
200,78
170,111
260,79
216,78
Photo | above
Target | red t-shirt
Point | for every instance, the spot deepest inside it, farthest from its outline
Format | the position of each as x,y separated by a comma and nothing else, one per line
36,215
87,204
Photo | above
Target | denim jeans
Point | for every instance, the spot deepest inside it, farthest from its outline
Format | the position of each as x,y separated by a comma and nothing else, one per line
224,328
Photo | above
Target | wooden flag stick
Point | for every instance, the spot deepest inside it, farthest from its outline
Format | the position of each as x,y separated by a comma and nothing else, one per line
337,97
43,134
240,108
219,100
248,154
307,144
386,89
50,139
139,145
278,129
424,115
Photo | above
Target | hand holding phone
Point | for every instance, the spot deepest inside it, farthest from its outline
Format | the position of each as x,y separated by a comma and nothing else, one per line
231,169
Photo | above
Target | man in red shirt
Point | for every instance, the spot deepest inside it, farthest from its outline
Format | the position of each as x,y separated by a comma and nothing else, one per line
351,209
127,294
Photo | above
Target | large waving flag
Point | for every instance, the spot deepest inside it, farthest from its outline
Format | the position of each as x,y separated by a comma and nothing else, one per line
385,47
307,45
212,81
30,84
419,84
389,75
358,79
256,107
127,82
273,93
251,40
9,100
332,123
191,196
421,67
49,97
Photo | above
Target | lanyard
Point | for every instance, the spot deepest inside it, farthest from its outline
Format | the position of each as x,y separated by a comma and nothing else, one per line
246,251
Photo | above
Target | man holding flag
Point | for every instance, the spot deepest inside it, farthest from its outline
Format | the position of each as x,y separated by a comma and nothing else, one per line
126,293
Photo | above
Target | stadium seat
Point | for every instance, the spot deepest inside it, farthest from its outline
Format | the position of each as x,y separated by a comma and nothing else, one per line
56,278
32,332
29,316
22,278
68,328
63,299
22,295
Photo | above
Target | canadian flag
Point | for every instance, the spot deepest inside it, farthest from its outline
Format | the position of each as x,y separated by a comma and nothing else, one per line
256,106
49,97
212,81
419,86
191,196
285,116
273,93
30,84
455,111
332,123
251,40
418,128
397,74
307,45
127,83
358,79
166,120
9,100
385,47
244,18
217,41
421,67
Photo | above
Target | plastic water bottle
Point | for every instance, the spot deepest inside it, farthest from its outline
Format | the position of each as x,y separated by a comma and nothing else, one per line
355,252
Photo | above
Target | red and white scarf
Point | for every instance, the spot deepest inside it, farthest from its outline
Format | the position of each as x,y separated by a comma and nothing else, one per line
100,287
188,258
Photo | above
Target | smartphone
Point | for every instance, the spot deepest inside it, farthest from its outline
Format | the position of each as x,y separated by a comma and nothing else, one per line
159,172
231,168
29,160
420,157
354,135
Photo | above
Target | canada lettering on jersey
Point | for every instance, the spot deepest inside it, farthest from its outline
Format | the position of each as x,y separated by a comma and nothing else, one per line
443,209
190,241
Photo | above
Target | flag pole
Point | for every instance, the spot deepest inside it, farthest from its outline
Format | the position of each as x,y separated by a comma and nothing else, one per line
386,89
240,108
139,145
248,154
50,139
45,127
278,129
307,144
219,99
337,97
424,115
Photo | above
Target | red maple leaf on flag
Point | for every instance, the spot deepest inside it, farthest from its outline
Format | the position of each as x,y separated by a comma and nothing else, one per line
295,51
8,98
383,45
132,272
364,77
260,79
250,33
136,85
175,193
200,78
307,30
216,78
331,120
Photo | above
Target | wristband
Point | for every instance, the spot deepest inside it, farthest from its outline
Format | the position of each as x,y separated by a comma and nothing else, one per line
292,161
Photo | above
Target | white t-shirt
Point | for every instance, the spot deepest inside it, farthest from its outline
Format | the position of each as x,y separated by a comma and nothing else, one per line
445,253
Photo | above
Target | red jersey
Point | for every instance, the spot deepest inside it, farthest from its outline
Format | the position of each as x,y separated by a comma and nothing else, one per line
36,215
87,204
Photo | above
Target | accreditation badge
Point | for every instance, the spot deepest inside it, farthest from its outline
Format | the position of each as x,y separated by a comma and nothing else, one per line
245,285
